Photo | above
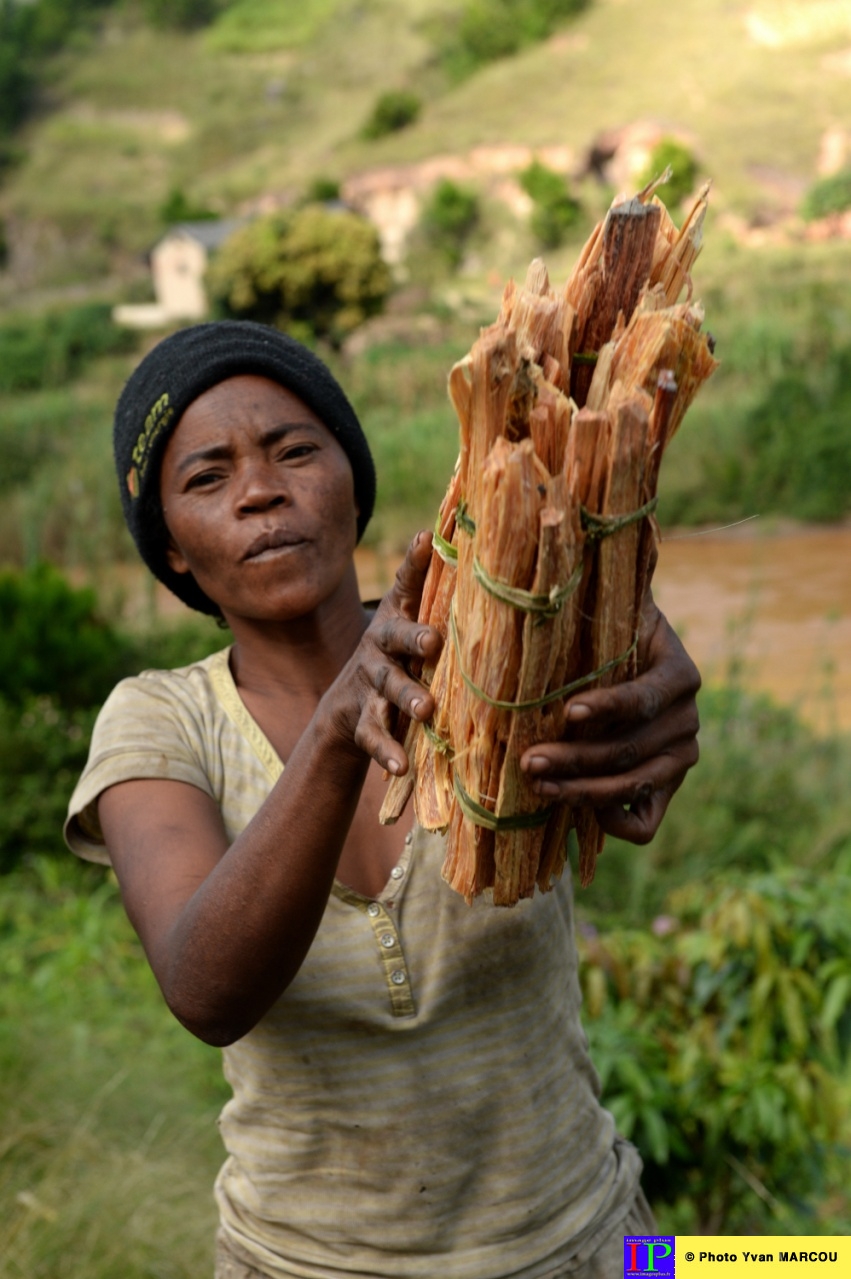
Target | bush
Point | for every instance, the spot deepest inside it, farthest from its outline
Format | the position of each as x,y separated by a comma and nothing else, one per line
487,30
719,1043
314,272
827,196
53,642
178,208
51,349
725,819
554,209
394,110
43,749
322,190
185,15
448,218
794,454
684,170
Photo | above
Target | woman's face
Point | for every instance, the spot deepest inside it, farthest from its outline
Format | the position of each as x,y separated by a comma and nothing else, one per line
259,501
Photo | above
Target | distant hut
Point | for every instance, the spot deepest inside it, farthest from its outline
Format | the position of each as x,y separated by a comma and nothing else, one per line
178,263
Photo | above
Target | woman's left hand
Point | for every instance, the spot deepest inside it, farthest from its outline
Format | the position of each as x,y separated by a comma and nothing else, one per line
637,741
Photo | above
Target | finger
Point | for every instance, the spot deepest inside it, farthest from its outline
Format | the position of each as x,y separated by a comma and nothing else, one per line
607,755
664,771
396,636
639,700
638,823
373,737
407,588
395,685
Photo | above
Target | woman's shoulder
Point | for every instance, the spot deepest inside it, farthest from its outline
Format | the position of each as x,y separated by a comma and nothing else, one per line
157,724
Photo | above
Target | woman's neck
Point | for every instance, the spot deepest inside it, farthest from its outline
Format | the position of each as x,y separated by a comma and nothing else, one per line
298,659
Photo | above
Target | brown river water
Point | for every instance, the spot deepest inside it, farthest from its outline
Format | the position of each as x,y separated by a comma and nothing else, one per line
773,604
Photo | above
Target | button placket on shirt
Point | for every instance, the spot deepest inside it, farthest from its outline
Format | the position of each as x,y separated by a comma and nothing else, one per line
385,931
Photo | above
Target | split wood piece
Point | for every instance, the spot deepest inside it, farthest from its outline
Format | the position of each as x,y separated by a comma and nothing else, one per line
656,341
615,620
517,853
612,288
678,249
489,639
438,589
543,322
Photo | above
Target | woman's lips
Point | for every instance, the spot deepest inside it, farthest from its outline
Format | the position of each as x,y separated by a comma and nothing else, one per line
273,542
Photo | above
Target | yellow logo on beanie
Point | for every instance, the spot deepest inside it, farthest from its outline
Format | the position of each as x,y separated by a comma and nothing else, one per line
156,421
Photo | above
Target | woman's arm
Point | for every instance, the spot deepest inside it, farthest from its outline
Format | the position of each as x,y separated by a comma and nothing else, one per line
227,928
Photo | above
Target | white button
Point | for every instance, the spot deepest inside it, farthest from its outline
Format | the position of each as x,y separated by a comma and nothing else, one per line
373,909
409,839
396,872
397,978
387,940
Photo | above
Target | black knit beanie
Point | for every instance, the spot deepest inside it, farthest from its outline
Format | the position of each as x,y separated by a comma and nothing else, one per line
176,372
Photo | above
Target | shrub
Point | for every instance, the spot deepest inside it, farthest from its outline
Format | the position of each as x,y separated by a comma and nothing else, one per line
184,15
684,170
322,190
43,749
394,110
449,217
314,271
719,1043
794,454
487,30
51,349
725,819
827,196
53,642
177,207
554,209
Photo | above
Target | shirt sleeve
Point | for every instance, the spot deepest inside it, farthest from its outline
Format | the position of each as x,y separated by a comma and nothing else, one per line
145,729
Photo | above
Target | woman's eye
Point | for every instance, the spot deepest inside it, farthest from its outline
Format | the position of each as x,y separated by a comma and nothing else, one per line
296,451
203,479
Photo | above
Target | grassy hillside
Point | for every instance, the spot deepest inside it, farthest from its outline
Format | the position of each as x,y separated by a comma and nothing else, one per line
270,96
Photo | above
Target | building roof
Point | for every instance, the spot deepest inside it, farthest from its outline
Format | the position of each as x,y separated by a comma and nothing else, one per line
209,234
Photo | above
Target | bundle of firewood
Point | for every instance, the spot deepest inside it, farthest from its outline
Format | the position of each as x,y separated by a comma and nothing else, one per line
546,540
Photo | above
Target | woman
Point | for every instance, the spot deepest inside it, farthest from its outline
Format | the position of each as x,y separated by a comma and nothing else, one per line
412,1090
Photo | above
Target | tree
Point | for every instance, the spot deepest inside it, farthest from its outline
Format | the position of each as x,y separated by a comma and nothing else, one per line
313,271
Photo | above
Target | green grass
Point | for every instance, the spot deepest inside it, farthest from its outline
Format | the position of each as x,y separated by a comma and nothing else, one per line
109,1147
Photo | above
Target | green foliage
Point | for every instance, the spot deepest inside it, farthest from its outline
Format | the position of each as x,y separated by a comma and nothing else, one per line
393,110
449,217
717,1038
315,272
669,153
768,792
16,80
555,210
53,642
43,749
50,349
185,15
794,454
177,207
487,30
322,190
827,196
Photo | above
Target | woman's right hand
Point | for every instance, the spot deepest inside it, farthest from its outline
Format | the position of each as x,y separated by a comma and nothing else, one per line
376,677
